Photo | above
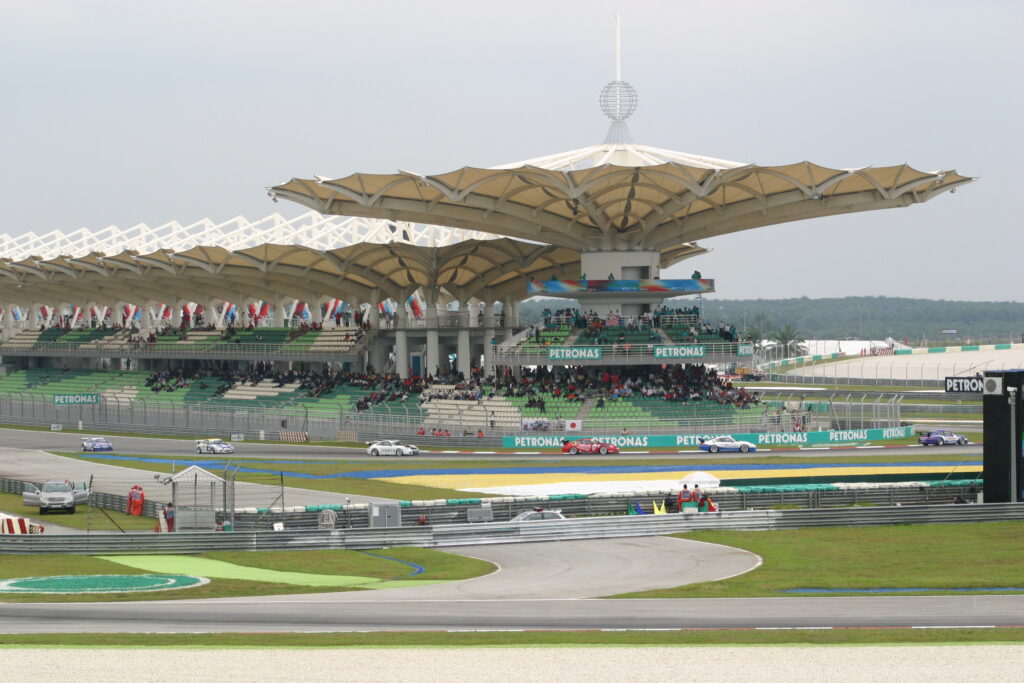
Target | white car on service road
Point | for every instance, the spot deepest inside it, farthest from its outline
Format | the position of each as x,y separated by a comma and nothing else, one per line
213,446
391,447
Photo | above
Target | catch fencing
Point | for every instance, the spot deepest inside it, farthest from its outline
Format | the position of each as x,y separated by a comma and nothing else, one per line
505,532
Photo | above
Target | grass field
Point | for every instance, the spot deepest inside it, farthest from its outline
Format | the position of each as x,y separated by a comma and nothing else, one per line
438,566
937,557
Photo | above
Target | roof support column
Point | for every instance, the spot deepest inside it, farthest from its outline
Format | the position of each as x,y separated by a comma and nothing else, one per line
433,354
283,309
401,343
463,356
316,312
8,320
489,340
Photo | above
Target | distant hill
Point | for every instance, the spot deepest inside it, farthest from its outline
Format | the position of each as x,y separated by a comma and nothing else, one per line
868,317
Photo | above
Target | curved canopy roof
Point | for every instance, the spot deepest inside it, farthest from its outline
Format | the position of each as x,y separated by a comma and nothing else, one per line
620,196
490,270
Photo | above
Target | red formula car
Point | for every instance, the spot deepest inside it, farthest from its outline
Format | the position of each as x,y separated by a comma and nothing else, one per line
588,446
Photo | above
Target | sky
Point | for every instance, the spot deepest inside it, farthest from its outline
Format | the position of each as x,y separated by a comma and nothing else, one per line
119,113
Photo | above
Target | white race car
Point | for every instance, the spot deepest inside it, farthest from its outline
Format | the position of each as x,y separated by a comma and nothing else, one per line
213,446
726,443
391,447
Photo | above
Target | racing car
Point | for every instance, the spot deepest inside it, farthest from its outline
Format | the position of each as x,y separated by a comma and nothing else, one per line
213,446
588,446
726,443
390,447
941,437
96,443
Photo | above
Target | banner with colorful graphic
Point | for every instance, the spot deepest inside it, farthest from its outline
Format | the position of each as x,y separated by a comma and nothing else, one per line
576,286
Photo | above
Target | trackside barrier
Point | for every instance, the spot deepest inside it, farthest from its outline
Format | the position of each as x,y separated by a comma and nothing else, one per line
456,511
507,532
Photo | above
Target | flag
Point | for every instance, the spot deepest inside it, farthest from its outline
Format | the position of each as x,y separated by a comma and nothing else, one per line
573,426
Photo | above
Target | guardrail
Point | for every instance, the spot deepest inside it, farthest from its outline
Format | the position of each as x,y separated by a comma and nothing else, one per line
623,353
506,532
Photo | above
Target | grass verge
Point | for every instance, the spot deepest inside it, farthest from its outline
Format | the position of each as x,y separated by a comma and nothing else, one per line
936,557
437,566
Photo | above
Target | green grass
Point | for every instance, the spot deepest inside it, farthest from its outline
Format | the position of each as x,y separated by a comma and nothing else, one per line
848,636
11,504
438,566
933,556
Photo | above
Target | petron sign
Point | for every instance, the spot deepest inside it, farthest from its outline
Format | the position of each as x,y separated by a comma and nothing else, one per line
688,351
744,349
964,385
797,439
574,353
75,399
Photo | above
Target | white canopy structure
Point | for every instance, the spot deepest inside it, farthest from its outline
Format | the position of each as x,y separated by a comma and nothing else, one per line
311,229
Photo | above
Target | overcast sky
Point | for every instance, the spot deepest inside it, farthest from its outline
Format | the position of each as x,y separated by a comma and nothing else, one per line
118,113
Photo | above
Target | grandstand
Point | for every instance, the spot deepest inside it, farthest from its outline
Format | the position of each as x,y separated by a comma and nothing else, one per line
374,321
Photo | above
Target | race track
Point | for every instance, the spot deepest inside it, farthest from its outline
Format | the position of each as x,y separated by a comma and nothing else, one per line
538,586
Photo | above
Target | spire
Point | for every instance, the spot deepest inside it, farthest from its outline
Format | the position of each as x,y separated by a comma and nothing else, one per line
618,99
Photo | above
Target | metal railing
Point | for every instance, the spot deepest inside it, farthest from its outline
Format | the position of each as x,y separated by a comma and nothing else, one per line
506,532
622,353
197,351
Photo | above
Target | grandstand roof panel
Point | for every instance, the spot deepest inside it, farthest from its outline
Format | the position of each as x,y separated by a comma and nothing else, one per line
583,201
487,269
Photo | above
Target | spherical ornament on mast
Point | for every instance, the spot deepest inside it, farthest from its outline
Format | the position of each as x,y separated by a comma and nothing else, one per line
618,100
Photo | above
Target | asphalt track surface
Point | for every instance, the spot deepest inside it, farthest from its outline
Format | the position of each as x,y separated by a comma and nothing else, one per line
538,586
67,442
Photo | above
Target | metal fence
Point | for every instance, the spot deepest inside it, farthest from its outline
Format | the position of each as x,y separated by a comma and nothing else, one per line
505,532
627,354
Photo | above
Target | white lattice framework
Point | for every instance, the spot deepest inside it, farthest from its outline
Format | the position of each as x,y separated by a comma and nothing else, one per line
311,229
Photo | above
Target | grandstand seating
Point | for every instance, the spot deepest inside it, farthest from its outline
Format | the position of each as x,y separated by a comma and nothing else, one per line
655,410
555,407
548,337
440,412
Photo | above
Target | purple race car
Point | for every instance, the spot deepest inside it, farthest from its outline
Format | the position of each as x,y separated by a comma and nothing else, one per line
941,437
